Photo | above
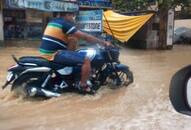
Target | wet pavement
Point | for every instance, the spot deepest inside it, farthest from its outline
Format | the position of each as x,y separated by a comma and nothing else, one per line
144,105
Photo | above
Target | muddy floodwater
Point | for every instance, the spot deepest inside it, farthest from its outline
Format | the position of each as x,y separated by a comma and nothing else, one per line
144,105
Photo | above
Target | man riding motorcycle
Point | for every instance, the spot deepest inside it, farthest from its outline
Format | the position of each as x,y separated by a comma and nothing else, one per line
61,34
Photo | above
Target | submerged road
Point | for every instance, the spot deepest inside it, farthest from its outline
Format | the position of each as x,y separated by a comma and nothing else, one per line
144,105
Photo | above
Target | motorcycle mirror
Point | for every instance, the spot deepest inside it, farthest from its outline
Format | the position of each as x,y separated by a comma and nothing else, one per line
180,91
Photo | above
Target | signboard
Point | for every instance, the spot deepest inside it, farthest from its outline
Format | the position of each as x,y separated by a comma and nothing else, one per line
170,27
95,3
90,21
45,5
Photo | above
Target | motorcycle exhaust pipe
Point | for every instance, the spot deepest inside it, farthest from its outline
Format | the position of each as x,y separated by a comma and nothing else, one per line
42,93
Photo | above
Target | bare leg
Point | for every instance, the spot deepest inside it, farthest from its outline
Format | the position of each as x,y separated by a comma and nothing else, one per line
86,69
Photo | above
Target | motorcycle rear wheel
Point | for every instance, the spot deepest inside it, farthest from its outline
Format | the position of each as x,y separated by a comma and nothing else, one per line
22,87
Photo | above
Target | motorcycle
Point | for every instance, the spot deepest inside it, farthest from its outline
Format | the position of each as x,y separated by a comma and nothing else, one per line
180,90
38,77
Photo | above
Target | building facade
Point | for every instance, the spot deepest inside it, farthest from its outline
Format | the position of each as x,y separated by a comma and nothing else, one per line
26,21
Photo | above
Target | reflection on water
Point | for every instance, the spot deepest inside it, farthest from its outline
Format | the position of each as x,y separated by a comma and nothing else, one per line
144,105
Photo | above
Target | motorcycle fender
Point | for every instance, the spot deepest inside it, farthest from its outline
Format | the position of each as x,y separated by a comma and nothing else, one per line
34,71
121,67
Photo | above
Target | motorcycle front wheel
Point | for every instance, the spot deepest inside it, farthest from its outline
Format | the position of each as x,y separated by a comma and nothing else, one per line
124,78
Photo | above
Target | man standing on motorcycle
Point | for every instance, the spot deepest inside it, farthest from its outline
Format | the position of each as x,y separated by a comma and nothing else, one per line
61,34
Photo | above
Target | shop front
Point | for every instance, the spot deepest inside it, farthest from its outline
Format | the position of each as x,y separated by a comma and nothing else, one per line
21,25
25,20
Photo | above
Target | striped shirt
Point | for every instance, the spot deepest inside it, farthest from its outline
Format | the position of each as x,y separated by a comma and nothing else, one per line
56,36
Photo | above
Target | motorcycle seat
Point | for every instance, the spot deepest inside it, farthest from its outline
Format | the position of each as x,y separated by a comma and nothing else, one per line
40,61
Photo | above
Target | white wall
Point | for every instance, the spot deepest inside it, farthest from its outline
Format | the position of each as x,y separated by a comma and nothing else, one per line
183,23
1,27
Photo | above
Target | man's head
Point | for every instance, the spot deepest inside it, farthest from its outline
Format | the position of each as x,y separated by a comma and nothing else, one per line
69,16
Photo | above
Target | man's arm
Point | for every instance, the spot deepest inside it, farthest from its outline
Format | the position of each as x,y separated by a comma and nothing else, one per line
89,38
72,43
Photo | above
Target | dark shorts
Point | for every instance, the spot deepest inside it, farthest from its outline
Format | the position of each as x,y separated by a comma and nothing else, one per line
69,58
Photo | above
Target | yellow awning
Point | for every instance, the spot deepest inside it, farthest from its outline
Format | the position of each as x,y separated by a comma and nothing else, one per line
122,26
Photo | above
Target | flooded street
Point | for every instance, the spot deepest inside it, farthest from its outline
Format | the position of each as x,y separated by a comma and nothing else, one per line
144,105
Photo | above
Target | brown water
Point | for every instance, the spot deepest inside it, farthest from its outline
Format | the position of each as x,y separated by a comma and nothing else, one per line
143,105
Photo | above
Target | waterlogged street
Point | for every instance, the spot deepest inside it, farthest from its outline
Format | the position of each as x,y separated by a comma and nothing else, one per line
144,105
